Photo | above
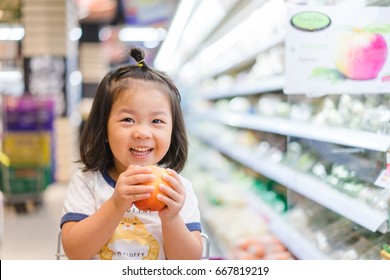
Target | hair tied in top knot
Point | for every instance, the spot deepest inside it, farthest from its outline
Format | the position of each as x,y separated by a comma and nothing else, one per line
141,63
138,56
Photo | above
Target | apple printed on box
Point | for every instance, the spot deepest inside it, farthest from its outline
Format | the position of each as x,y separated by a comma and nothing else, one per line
335,50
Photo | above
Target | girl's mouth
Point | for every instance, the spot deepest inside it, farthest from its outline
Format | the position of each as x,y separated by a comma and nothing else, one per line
140,151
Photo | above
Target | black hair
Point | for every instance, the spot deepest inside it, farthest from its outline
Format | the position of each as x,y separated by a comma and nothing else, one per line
95,153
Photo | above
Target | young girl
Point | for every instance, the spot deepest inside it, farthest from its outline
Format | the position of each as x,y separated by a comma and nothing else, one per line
135,121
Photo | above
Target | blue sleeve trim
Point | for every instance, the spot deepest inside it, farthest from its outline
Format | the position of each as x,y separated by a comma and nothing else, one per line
194,226
72,217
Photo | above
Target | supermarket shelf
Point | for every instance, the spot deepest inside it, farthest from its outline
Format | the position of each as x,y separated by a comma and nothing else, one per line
241,58
296,243
269,84
336,135
305,184
293,240
354,210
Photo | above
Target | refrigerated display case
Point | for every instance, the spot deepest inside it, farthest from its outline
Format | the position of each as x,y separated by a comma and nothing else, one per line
306,165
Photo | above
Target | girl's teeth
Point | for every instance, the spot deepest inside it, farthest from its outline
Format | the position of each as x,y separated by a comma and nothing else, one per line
141,149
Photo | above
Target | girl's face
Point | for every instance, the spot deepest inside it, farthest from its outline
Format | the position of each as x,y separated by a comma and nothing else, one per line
139,128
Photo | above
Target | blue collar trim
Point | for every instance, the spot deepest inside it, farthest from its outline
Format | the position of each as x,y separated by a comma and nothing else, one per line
108,178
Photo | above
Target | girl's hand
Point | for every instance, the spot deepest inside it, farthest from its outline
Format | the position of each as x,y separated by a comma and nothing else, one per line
174,195
129,186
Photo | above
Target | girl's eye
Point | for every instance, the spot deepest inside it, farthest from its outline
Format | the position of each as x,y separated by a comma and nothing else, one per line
128,120
157,121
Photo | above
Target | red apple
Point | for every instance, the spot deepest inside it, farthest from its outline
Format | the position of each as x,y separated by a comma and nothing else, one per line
360,55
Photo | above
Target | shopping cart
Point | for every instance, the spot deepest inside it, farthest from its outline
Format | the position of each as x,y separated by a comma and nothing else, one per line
28,144
205,239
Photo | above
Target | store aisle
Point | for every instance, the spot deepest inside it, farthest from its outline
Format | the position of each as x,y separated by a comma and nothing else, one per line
33,236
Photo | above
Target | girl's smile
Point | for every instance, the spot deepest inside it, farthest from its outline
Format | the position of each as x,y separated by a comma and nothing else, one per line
141,152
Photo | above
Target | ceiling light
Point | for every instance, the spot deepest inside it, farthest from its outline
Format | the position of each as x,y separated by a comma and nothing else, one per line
243,41
75,34
167,50
142,34
105,34
11,32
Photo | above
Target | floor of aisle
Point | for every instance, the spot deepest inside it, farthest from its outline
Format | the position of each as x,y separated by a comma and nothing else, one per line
33,235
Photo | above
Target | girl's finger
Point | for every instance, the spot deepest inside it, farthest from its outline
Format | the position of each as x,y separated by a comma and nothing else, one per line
138,179
172,194
136,169
141,189
139,196
174,181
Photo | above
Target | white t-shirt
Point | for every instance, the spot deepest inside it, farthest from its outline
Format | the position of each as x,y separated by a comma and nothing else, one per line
139,234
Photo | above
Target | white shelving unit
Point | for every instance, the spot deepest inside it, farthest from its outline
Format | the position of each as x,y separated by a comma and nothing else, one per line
241,58
274,83
278,224
342,136
308,186
302,248
304,184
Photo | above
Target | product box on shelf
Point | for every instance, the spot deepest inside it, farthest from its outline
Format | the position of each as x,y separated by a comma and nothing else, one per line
28,113
28,147
27,179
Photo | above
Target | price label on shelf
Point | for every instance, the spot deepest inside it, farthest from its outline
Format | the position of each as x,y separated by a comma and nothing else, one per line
383,179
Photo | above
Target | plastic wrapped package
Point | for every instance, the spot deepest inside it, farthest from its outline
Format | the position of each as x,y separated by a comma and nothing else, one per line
309,217
263,247
352,246
240,104
306,162
328,236
346,240
374,252
380,199
293,153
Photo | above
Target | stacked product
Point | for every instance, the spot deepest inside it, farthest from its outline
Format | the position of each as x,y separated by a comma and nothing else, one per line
28,142
50,51
336,236
46,25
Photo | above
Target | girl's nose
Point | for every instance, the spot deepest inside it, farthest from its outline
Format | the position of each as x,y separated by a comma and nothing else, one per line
142,132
